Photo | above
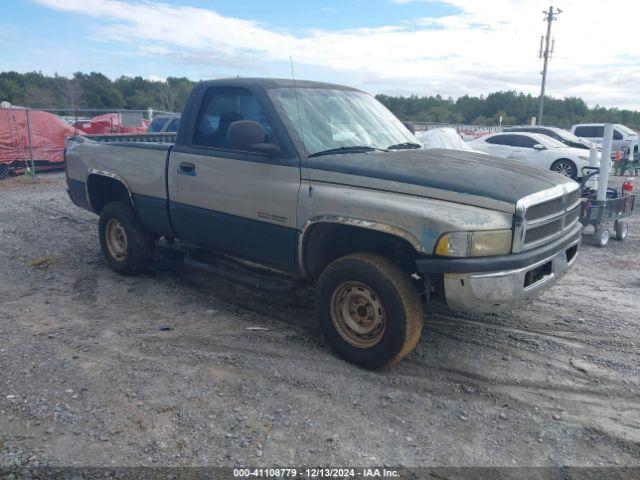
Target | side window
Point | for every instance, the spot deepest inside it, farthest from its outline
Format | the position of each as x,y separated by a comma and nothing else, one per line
499,140
524,141
221,107
617,135
511,140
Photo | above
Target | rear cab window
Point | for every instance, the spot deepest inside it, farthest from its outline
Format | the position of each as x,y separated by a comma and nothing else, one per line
590,131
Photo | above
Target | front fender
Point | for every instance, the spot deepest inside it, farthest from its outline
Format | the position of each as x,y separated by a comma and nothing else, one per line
418,220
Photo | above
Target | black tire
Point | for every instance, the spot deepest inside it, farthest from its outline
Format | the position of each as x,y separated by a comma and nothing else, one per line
4,171
622,230
565,167
137,250
601,237
387,291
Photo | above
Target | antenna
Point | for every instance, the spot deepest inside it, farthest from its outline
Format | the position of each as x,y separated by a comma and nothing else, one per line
295,94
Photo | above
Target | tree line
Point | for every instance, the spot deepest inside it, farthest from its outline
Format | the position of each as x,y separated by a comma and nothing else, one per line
95,90
516,108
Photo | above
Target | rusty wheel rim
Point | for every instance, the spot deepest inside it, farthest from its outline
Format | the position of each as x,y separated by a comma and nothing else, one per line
358,314
116,239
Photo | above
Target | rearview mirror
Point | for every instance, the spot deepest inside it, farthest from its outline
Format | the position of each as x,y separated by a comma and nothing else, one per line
538,146
249,135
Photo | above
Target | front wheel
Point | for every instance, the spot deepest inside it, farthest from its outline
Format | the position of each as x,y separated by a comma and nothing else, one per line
126,244
368,310
565,167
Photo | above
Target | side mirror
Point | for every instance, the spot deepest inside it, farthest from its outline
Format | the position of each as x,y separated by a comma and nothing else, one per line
410,127
538,146
249,135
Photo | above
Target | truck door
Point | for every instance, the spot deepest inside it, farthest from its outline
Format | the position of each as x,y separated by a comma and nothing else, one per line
238,202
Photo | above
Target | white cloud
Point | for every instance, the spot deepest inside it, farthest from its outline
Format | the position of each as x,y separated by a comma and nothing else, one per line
490,45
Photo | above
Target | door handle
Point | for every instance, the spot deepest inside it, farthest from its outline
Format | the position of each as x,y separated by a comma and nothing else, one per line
187,168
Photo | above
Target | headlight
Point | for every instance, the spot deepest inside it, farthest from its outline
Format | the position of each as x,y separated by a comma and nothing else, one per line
474,244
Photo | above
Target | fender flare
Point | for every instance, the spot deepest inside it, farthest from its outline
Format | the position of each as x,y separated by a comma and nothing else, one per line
111,175
354,222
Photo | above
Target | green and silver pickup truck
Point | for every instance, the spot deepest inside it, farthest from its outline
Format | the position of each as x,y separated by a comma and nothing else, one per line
321,182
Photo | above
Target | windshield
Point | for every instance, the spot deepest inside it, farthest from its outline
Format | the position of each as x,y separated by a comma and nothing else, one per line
547,141
568,135
626,130
157,124
338,119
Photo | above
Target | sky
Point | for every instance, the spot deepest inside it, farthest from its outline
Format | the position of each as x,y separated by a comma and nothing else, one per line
396,47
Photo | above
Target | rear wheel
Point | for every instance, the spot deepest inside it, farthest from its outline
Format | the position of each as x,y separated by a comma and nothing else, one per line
622,230
601,237
126,244
565,167
368,310
4,171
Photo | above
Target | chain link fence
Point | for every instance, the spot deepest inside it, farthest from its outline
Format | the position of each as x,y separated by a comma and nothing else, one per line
32,141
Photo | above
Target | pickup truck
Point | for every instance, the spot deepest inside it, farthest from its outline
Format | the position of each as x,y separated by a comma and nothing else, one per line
323,183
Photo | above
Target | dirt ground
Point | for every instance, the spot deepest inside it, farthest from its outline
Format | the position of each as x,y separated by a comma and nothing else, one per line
169,369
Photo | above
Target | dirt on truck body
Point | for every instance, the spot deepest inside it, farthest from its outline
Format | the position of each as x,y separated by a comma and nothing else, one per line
180,367
356,207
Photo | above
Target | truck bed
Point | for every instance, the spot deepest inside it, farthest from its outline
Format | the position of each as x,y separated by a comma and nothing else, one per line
139,165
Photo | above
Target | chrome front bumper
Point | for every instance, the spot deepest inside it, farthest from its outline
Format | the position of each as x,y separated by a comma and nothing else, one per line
503,290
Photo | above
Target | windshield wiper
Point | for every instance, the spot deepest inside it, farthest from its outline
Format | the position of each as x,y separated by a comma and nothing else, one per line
352,149
404,146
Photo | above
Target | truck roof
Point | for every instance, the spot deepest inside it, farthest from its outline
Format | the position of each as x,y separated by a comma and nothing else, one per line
274,83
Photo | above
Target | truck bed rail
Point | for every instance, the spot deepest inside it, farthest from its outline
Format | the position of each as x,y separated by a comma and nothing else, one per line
152,137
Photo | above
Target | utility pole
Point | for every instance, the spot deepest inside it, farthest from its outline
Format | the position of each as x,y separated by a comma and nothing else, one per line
550,16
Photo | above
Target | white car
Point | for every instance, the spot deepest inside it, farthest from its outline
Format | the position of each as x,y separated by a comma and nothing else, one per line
535,149
623,137
445,137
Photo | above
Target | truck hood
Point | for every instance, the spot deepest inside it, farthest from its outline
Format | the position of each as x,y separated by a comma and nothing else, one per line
453,175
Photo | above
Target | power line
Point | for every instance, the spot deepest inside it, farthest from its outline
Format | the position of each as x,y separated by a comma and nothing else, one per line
550,16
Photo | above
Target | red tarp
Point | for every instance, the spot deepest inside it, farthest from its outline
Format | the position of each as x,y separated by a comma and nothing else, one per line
48,133
109,123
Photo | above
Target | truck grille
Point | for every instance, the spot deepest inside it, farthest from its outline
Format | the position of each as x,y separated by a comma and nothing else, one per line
544,216
534,234
535,212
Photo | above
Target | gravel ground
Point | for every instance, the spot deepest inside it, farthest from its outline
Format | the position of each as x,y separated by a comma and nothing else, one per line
169,369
